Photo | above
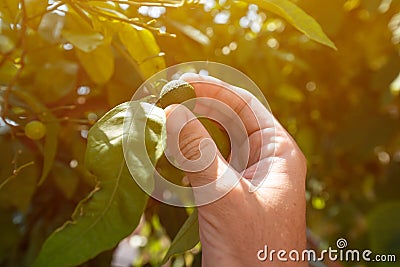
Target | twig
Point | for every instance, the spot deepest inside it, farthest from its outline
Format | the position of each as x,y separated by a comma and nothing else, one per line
144,3
15,173
74,6
134,21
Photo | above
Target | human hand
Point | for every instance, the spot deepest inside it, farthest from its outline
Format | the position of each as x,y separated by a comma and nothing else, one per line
235,227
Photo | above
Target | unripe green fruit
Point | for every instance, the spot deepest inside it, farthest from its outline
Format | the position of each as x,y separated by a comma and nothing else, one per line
176,92
35,130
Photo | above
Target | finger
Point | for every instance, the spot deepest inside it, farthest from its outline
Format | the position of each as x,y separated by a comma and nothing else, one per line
251,111
191,146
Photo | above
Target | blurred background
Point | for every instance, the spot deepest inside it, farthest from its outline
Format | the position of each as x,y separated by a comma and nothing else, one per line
63,72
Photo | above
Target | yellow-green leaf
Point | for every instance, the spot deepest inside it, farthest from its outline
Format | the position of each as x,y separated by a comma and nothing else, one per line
191,32
35,8
50,27
80,33
63,73
9,9
290,93
98,64
8,71
143,48
297,17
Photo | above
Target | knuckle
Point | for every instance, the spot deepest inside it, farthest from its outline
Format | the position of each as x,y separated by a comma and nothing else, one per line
189,145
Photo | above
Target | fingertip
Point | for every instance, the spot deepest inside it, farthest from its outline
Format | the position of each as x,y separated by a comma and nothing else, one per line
177,117
168,110
171,109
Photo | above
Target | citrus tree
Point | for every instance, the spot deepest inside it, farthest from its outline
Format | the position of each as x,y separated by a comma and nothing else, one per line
67,197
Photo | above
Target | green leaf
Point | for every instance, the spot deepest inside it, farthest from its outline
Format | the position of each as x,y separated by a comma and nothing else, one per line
186,238
191,32
114,207
65,178
50,26
142,47
165,212
297,17
80,33
50,144
169,171
64,76
98,64
148,122
34,11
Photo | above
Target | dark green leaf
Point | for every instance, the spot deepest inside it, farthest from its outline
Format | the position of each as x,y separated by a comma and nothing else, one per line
186,238
65,178
165,212
98,64
50,145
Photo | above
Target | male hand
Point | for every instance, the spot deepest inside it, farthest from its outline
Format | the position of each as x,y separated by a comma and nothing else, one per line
235,227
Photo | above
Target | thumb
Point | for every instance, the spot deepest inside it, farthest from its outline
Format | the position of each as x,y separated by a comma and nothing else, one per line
192,147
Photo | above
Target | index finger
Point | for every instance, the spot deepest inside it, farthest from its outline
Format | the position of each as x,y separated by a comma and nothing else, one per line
254,115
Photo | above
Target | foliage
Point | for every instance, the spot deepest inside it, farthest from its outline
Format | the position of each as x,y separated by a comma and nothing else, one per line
186,238
66,63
